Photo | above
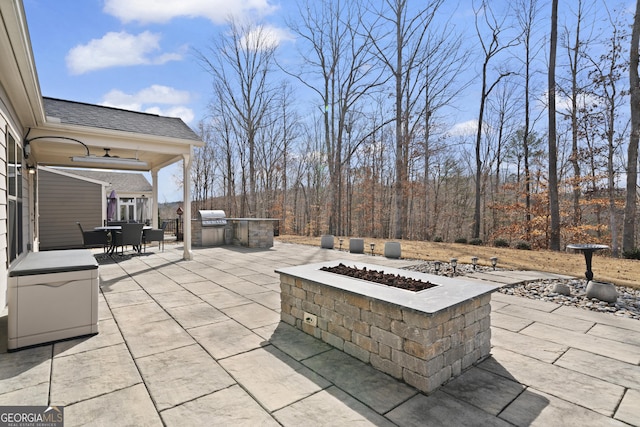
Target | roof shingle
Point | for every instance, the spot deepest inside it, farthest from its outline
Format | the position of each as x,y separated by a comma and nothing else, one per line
78,113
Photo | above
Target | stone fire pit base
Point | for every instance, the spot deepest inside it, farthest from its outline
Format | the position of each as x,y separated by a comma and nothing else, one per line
424,338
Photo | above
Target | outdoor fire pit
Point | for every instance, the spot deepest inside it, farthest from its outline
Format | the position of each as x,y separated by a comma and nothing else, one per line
424,338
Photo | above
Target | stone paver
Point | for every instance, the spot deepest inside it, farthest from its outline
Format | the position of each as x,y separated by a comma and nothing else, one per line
564,322
252,315
26,368
180,375
628,336
130,406
274,379
297,345
584,390
506,321
82,376
485,390
226,338
108,335
155,337
200,314
228,407
537,409
605,368
629,410
344,410
603,346
441,410
199,343
529,346
377,390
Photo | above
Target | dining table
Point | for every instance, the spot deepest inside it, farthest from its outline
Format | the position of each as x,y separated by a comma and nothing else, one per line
110,230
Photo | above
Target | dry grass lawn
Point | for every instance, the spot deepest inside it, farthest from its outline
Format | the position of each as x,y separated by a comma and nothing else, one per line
619,271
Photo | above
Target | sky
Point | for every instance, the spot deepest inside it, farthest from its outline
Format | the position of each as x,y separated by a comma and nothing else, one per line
141,55
136,54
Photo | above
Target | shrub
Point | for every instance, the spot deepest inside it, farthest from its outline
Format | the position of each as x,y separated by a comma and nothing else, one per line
437,239
475,242
460,240
500,243
632,254
523,245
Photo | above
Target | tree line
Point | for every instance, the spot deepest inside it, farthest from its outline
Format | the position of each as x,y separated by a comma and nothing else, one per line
352,129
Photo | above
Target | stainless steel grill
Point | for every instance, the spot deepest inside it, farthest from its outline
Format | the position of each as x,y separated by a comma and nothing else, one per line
209,218
212,226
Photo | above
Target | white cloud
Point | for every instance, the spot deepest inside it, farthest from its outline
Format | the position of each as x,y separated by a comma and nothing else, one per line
266,36
116,50
470,127
182,112
217,11
147,100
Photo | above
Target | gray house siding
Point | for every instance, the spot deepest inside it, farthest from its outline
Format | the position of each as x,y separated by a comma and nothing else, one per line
63,202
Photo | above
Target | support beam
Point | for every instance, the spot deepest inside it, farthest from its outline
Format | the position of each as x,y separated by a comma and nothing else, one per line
186,186
154,208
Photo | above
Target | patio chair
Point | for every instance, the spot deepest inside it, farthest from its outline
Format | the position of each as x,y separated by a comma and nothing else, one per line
154,235
131,234
93,239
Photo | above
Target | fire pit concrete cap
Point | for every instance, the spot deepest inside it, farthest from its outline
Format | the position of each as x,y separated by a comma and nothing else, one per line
449,292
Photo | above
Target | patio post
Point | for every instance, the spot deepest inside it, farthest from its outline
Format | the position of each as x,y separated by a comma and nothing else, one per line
154,208
186,186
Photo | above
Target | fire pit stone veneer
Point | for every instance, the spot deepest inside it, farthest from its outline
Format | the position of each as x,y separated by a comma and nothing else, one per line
424,338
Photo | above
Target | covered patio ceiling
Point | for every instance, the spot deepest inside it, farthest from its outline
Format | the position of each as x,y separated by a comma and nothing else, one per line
85,135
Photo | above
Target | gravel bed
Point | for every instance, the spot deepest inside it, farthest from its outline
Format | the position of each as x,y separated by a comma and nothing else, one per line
627,304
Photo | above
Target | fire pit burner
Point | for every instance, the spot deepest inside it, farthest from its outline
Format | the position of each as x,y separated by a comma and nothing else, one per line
394,280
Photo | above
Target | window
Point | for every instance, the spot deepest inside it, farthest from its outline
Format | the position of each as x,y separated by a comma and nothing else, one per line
127,209
14,196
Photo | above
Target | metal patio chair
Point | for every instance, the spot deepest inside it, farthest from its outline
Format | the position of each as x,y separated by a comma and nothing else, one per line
94,239
154,235
131,234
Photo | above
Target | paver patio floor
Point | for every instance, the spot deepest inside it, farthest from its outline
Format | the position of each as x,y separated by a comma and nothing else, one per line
199,342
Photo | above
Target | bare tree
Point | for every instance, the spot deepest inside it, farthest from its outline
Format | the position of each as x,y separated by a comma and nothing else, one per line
554,202
399,35
629,226
241,61
607,72
575,41
441,70
338,67
490,48
527,12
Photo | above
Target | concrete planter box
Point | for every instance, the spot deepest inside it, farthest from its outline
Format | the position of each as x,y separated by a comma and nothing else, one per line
326,241
392,250
356,246
424,338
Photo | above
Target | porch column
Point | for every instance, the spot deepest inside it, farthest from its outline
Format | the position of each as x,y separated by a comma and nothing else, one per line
186,186
154,194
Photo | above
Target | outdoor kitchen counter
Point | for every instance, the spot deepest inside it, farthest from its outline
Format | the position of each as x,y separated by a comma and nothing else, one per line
252,232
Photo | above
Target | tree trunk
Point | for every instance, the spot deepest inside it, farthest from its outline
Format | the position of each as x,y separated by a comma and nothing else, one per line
629,229
554,203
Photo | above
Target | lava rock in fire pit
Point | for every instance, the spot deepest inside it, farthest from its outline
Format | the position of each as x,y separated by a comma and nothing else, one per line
394,280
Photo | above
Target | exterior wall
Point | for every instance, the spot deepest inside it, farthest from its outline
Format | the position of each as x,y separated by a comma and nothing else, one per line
424,350
63,201
8,123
